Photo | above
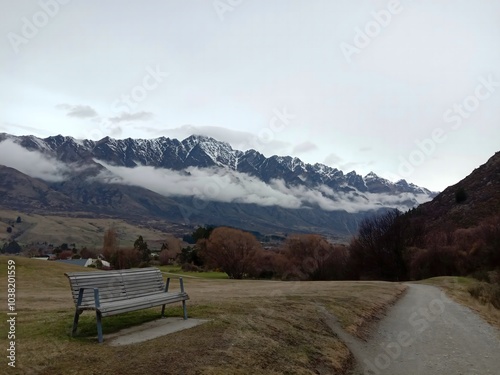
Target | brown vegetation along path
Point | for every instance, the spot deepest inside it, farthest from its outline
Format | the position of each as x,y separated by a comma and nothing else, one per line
426,333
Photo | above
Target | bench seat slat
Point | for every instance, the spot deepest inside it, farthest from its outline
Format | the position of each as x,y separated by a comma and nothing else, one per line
88,298
117,281
139,304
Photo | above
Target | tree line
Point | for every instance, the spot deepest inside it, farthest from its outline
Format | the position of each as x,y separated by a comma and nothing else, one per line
391,247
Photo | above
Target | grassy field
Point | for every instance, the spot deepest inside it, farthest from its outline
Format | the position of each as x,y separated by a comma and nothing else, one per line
457,289
256,327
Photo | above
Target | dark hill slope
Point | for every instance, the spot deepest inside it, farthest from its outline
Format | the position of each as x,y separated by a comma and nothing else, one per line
468,203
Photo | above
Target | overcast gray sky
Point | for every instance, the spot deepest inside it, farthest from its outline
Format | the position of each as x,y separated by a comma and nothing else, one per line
407,89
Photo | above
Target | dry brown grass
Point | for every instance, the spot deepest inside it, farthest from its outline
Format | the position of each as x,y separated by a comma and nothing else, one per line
79,230
457,288
256,327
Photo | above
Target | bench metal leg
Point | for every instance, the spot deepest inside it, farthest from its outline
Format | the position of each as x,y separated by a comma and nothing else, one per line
185,310
167,284
181,282
75,322
99,326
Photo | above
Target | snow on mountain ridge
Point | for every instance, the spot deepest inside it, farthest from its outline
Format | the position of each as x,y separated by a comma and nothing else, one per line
202,151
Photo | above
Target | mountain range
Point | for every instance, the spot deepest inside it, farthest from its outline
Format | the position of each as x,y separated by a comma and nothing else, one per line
196,181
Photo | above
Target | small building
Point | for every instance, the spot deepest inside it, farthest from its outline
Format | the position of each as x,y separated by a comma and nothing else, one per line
85,262
77,262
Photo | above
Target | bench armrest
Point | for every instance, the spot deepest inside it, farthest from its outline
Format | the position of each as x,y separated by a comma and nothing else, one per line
96,297
181,282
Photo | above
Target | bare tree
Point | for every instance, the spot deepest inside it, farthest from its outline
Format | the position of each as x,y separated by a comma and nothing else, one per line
379,250
312,257
119,258
110,243
232,250
170,250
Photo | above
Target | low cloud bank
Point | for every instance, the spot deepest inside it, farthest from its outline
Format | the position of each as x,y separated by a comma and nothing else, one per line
221,185
32,163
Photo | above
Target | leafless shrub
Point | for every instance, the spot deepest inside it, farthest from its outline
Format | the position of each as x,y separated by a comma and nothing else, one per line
234,251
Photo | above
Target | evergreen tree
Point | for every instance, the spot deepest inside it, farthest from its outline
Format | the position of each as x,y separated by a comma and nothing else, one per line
142,247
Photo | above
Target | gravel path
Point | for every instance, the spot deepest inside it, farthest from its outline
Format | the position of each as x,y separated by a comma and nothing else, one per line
425,333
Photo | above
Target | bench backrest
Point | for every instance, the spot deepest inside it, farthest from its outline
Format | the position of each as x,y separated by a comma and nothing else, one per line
115,285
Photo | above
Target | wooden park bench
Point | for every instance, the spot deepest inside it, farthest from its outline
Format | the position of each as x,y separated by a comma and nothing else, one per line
115,292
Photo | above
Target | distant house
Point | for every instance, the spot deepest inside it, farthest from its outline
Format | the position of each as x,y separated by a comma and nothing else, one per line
77,262
105,264
84,262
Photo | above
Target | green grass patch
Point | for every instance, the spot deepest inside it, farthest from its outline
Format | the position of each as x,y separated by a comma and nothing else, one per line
177,270
447,280
87,326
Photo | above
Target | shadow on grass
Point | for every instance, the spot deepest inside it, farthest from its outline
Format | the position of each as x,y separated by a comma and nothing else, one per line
87,325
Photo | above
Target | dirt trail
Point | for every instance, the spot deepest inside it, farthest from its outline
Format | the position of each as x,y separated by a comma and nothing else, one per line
425,333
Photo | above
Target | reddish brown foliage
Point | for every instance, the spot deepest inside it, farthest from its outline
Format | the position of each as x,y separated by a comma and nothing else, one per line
233,251
125,258
119,258
312,257
110,243
171,249
88,253
66,254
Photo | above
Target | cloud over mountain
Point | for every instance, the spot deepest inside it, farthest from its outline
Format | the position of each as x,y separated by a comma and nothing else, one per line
195,180
208,170
33,163
223,185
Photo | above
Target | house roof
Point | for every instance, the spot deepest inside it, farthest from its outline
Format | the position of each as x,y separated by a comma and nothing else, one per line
75,262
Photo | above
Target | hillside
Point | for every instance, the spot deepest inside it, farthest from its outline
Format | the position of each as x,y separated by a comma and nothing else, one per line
82,231
458,232
137,206
481,200
26,193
